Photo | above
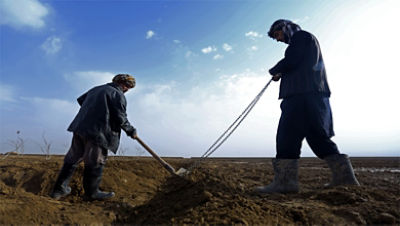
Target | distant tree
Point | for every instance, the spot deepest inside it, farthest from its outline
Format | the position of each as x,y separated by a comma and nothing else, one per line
45,146
18,145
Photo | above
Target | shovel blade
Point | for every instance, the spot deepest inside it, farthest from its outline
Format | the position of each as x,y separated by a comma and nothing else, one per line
182,172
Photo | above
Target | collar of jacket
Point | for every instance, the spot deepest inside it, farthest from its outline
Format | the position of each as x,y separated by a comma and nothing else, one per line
115,86
289,38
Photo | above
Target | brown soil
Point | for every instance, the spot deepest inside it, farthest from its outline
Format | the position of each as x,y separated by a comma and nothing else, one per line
219,192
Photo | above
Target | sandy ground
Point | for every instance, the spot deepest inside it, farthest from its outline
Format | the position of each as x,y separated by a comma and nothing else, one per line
219,192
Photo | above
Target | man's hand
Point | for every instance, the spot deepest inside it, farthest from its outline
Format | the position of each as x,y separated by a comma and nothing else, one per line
276,77
134,134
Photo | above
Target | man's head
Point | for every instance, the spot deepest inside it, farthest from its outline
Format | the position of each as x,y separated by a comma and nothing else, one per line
125,81
279,36
282,30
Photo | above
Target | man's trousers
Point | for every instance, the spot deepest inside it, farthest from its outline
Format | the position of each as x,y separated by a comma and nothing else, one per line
305,116
83,149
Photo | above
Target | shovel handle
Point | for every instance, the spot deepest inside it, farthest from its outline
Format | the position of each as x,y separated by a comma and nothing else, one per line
160,160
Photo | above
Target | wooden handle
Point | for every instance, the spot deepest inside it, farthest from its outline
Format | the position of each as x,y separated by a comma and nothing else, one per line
160,160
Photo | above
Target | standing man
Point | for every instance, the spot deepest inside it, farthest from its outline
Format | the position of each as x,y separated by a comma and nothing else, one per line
306,112
96,129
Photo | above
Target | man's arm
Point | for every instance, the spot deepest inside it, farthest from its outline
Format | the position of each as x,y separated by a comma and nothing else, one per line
119,112
293,55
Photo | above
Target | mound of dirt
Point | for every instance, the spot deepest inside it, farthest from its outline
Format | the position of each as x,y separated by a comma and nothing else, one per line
218,192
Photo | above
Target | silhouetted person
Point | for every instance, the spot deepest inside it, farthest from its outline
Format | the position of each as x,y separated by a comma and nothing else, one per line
96,129
306,112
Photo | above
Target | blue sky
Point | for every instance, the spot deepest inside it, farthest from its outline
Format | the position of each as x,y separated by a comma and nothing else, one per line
197,64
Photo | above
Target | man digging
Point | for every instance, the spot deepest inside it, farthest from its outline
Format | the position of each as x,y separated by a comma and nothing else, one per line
306,111
96,129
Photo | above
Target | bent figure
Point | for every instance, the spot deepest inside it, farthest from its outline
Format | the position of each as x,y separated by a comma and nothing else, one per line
306,111
96,129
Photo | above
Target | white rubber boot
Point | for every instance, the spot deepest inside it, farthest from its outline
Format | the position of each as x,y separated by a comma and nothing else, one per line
285,180
342,171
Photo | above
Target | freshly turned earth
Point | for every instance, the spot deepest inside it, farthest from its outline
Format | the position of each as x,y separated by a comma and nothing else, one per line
218,192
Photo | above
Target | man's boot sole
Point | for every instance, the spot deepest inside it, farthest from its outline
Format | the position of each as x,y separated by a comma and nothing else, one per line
89,198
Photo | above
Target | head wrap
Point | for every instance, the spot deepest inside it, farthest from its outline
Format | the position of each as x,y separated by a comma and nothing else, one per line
125,79
287,26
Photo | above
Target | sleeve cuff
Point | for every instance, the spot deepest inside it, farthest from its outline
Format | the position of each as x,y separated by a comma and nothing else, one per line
130,132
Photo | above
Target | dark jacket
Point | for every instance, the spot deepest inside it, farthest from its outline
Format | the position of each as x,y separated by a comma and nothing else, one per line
102,116
302,68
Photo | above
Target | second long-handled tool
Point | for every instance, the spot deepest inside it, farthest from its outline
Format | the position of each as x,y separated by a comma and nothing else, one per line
229,131
180,172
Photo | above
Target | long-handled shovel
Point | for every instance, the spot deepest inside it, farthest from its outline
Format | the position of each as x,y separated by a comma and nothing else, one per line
180,172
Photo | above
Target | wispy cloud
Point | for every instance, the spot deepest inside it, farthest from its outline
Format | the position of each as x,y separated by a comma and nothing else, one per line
227,47
52,45
7,93
83,80
253,35
23,13
177,41
209,49
218,57
302,20
150,34
189,54
53,105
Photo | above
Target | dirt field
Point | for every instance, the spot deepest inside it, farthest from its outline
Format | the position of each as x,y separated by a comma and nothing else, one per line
219,192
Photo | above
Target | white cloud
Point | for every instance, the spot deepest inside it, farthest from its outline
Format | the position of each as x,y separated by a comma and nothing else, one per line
301,20
168,118
218,57
56,108
52,45
253,48
227,47
177,41
83,80
7,93
253,35
150,34
209,49
22,13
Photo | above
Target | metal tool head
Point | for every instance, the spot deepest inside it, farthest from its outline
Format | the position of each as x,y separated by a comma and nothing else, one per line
182,172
